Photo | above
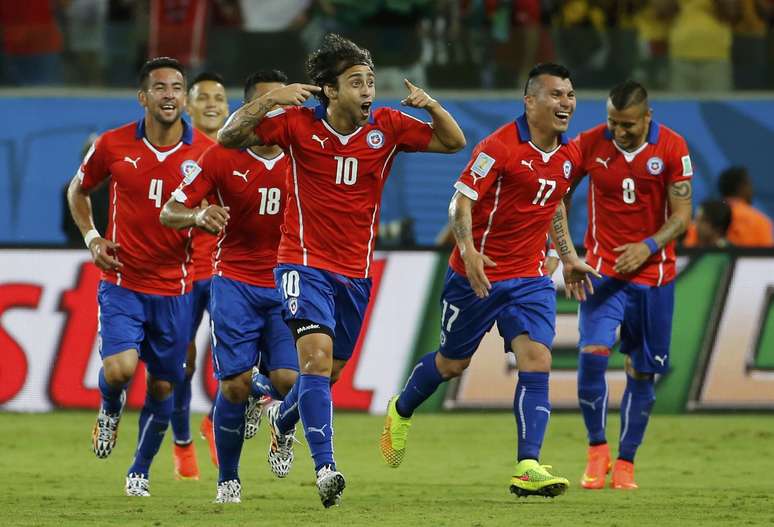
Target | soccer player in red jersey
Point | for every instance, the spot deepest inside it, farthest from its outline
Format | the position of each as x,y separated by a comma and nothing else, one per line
508,197
246,307
340,154
208,107
144,296
639,201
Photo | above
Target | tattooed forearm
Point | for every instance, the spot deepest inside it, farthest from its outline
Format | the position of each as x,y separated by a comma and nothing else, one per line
560,233
461,220
239,130
674,226
680,217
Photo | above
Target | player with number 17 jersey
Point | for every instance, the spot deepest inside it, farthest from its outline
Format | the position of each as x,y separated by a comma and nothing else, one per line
349,171
156,260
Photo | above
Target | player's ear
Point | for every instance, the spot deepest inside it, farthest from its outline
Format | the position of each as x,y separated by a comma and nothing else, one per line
142,97
330,91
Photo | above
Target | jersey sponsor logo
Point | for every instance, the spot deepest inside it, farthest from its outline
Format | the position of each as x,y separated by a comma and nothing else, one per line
687,166
190,169
132,161
528,164
602,162
375,139
655,165
321,141
243,175
567,168
481,166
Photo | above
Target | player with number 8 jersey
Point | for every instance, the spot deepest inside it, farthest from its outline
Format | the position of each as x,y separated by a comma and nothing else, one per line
340,154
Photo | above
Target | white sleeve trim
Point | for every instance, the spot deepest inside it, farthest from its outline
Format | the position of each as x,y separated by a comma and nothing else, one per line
466,191
180,196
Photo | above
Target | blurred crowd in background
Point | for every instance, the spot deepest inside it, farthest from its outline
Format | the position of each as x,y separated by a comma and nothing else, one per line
679,45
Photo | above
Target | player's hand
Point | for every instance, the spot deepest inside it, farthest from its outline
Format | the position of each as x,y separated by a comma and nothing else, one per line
552,262
293,94
577,281
475,262
104,253
212,218
417,97
631,257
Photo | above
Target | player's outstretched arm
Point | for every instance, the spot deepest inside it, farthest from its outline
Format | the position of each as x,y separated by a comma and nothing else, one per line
211,218
447,134
461,220
239,130
576,271
104,252
633,255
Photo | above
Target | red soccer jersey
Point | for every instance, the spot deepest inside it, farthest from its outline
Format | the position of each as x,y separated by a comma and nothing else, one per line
204,244
155,258
628,197
254,190
336,183
516,187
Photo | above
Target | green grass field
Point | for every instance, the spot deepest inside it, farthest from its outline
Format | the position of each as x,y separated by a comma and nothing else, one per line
697,470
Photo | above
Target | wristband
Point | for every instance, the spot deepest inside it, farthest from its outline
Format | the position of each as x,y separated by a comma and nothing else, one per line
90,237
552,253
652,245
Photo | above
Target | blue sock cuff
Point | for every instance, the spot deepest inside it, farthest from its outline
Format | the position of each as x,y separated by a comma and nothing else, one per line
228,409
536,379
428,362
593,362
641,386
310,381
157,407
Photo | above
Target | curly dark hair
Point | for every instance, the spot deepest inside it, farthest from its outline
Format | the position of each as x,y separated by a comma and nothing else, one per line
331,59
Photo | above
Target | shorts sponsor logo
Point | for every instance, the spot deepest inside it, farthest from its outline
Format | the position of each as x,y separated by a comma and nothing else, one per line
306,329
293,305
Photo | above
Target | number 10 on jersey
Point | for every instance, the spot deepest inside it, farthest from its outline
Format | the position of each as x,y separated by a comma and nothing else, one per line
346,170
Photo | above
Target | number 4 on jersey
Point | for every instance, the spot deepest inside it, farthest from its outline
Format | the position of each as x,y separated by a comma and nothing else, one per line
155,191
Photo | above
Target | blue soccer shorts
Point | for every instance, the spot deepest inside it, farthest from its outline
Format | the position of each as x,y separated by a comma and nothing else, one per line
156,326
248,329
336,302
644,314
201,302
518,306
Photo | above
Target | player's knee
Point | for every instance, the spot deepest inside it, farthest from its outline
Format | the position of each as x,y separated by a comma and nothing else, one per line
450,368
636,375
118,371
235,389
159,389
283,380
315,355
533,357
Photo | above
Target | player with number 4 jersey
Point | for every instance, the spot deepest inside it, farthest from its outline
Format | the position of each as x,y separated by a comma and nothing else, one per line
639,201
144,296
508,197
341,153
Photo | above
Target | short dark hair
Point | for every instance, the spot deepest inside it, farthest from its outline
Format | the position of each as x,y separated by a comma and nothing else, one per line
628,93
331,59
548,68
262,76
731,181
155,64
718,214
207,76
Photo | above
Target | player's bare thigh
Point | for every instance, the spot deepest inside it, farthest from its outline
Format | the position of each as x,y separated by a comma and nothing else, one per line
236,389
531,355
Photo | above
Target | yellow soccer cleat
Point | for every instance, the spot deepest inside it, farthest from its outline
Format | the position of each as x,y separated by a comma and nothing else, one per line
393,440
533,479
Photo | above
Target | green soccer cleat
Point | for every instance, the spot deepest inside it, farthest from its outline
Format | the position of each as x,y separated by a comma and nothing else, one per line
393,440
533,479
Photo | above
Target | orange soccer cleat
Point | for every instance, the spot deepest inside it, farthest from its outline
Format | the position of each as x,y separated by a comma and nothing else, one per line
209,435
186,466
623,475
597,467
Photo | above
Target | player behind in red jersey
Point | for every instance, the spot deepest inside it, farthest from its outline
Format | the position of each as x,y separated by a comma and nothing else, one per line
639,201
246,308
208,107
508,197
144,296
341,153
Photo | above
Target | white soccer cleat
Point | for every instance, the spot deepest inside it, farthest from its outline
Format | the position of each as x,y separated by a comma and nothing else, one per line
229,492
281,455
254,413
137,485
105,431
330,485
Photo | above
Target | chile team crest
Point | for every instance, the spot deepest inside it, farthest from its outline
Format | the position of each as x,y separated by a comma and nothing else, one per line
567,169
190,170
375,139
655,166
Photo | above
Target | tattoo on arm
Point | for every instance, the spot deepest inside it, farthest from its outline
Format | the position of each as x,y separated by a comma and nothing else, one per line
675,225
559,232
461,221
681,190
238,132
